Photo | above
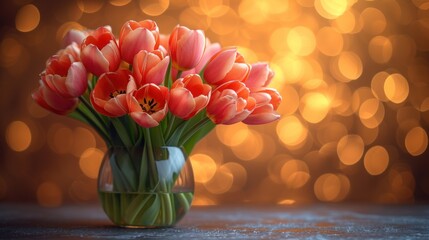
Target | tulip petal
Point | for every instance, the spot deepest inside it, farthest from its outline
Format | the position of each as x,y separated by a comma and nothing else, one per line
144,119
94,60
181,102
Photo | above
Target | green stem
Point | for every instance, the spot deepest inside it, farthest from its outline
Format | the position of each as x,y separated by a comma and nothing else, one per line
179,74
152,164
91,109
95,125
194,129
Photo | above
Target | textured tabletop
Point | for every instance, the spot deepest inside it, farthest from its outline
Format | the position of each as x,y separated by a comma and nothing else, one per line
342,221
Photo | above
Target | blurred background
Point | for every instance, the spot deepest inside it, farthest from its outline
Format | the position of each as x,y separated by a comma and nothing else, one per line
354,76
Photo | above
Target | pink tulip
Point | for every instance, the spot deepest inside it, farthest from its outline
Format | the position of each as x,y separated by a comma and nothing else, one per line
267,102
64,75
188,96
186,47
137,36
260,76
150,67
100,52
148,105
209,52
230,103
226,65
52,101
109,94
74,36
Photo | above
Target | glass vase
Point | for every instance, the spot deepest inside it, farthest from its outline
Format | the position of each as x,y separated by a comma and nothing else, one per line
143,188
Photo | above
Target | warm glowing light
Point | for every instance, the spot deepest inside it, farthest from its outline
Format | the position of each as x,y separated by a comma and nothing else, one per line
10,50
301,41
376,160
380,49
277,39
345,23
396,88
18,136
204,167
154,7
293,67
225,24
331,9
350,149
251,148
329,41
221,182
350,65
291,131
422,4
374,20
90,6
314,107
27,18
232,135
90,162
377,85
238,172
60,138
211,8
416,141
286,202
82,140
49,194
202,201
119,3
295,173
331,132
371,113
331,187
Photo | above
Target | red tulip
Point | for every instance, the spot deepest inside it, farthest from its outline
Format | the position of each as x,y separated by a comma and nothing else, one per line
260,76
226,65
150,67
230,103
109,94
267,102
186,47
53,102
64,75
100,52
209,52
188,96
137,36
148,105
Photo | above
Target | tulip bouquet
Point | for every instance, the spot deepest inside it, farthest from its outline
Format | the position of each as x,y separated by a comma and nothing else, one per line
147,90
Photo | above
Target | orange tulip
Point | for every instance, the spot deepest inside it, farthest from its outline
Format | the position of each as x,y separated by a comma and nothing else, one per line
260,76
137,36
226,65
64,74
148,105
52,101
267,102
186,47
150,67
109,94
100,52
230,103
188,96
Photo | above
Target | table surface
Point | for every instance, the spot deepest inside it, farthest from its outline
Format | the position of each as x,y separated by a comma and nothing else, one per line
318,221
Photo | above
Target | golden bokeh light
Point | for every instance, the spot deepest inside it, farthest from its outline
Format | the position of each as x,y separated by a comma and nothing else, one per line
350,66
238,172
154,7
350,149
373,20
331,187
377,85
422,4
11,51
416,141
291,131
331,132
232,135
82,140
380,49
396,88
27,18
119,3
301,41
221,182
376,160
204,167
90,6
18,136
345,23
371,113
90,161
331,9
314,107
49,194
295,173
329,41
251,148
